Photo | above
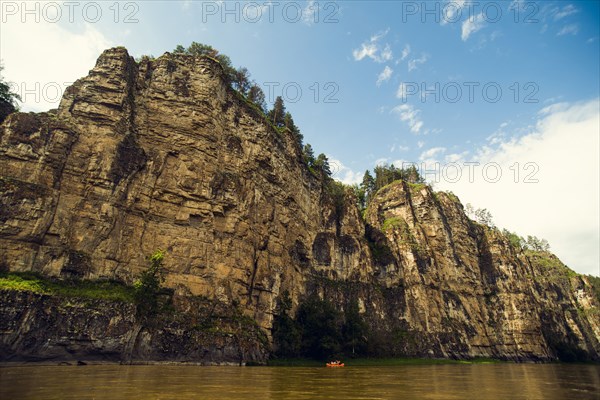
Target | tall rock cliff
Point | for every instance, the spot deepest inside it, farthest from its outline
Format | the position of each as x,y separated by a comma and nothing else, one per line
163,154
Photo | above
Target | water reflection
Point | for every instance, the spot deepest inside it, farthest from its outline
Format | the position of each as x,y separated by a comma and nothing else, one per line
504,381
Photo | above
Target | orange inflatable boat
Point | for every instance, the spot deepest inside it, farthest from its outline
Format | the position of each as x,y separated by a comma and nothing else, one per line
334,365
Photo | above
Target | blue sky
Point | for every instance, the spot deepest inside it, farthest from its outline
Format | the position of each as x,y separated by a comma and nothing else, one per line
353,59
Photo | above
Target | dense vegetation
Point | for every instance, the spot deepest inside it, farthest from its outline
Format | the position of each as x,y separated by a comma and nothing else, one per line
147,293
318,331
595,282
104,290
384,175
531,243
8,99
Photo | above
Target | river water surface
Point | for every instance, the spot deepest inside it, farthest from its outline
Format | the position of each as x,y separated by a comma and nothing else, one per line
475,381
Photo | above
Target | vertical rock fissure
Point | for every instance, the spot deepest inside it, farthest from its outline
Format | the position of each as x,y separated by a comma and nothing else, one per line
253,276
446,225
57,183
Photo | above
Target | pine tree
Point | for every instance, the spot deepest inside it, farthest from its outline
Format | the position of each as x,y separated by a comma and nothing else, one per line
277,114
322,163
537,244
242,80
368,185
411,174
257,96
205,50
288,122
199,49
483,216
359,193
309,155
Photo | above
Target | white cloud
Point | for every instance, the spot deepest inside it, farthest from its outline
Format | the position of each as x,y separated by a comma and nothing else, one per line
410,115
471,25
309,12
420,144
385,75
452,11
373,50
366,50
430,156
564,206
401,92
516,5
399,148
400,163
379,35
48,66
386,54
414,63
567,10
456,157
495,35
342,173
553,108
405,52
572,29
381,161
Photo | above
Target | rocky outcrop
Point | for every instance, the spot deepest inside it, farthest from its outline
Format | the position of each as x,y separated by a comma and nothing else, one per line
163,154
468,291
38,327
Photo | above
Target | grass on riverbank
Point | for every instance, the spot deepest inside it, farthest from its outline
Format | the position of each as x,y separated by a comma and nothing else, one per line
378,362
104,290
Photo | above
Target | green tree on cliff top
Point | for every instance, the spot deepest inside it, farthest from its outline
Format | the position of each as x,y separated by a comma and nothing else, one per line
8,98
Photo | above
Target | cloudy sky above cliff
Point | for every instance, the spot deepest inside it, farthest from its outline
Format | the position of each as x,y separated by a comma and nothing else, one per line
486,87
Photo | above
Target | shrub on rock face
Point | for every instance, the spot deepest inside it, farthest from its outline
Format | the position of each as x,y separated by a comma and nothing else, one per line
148,287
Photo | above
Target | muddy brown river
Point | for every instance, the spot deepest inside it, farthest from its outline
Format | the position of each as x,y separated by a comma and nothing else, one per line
494,381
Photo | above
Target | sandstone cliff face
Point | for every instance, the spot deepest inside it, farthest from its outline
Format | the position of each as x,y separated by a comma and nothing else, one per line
163,154
466,290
